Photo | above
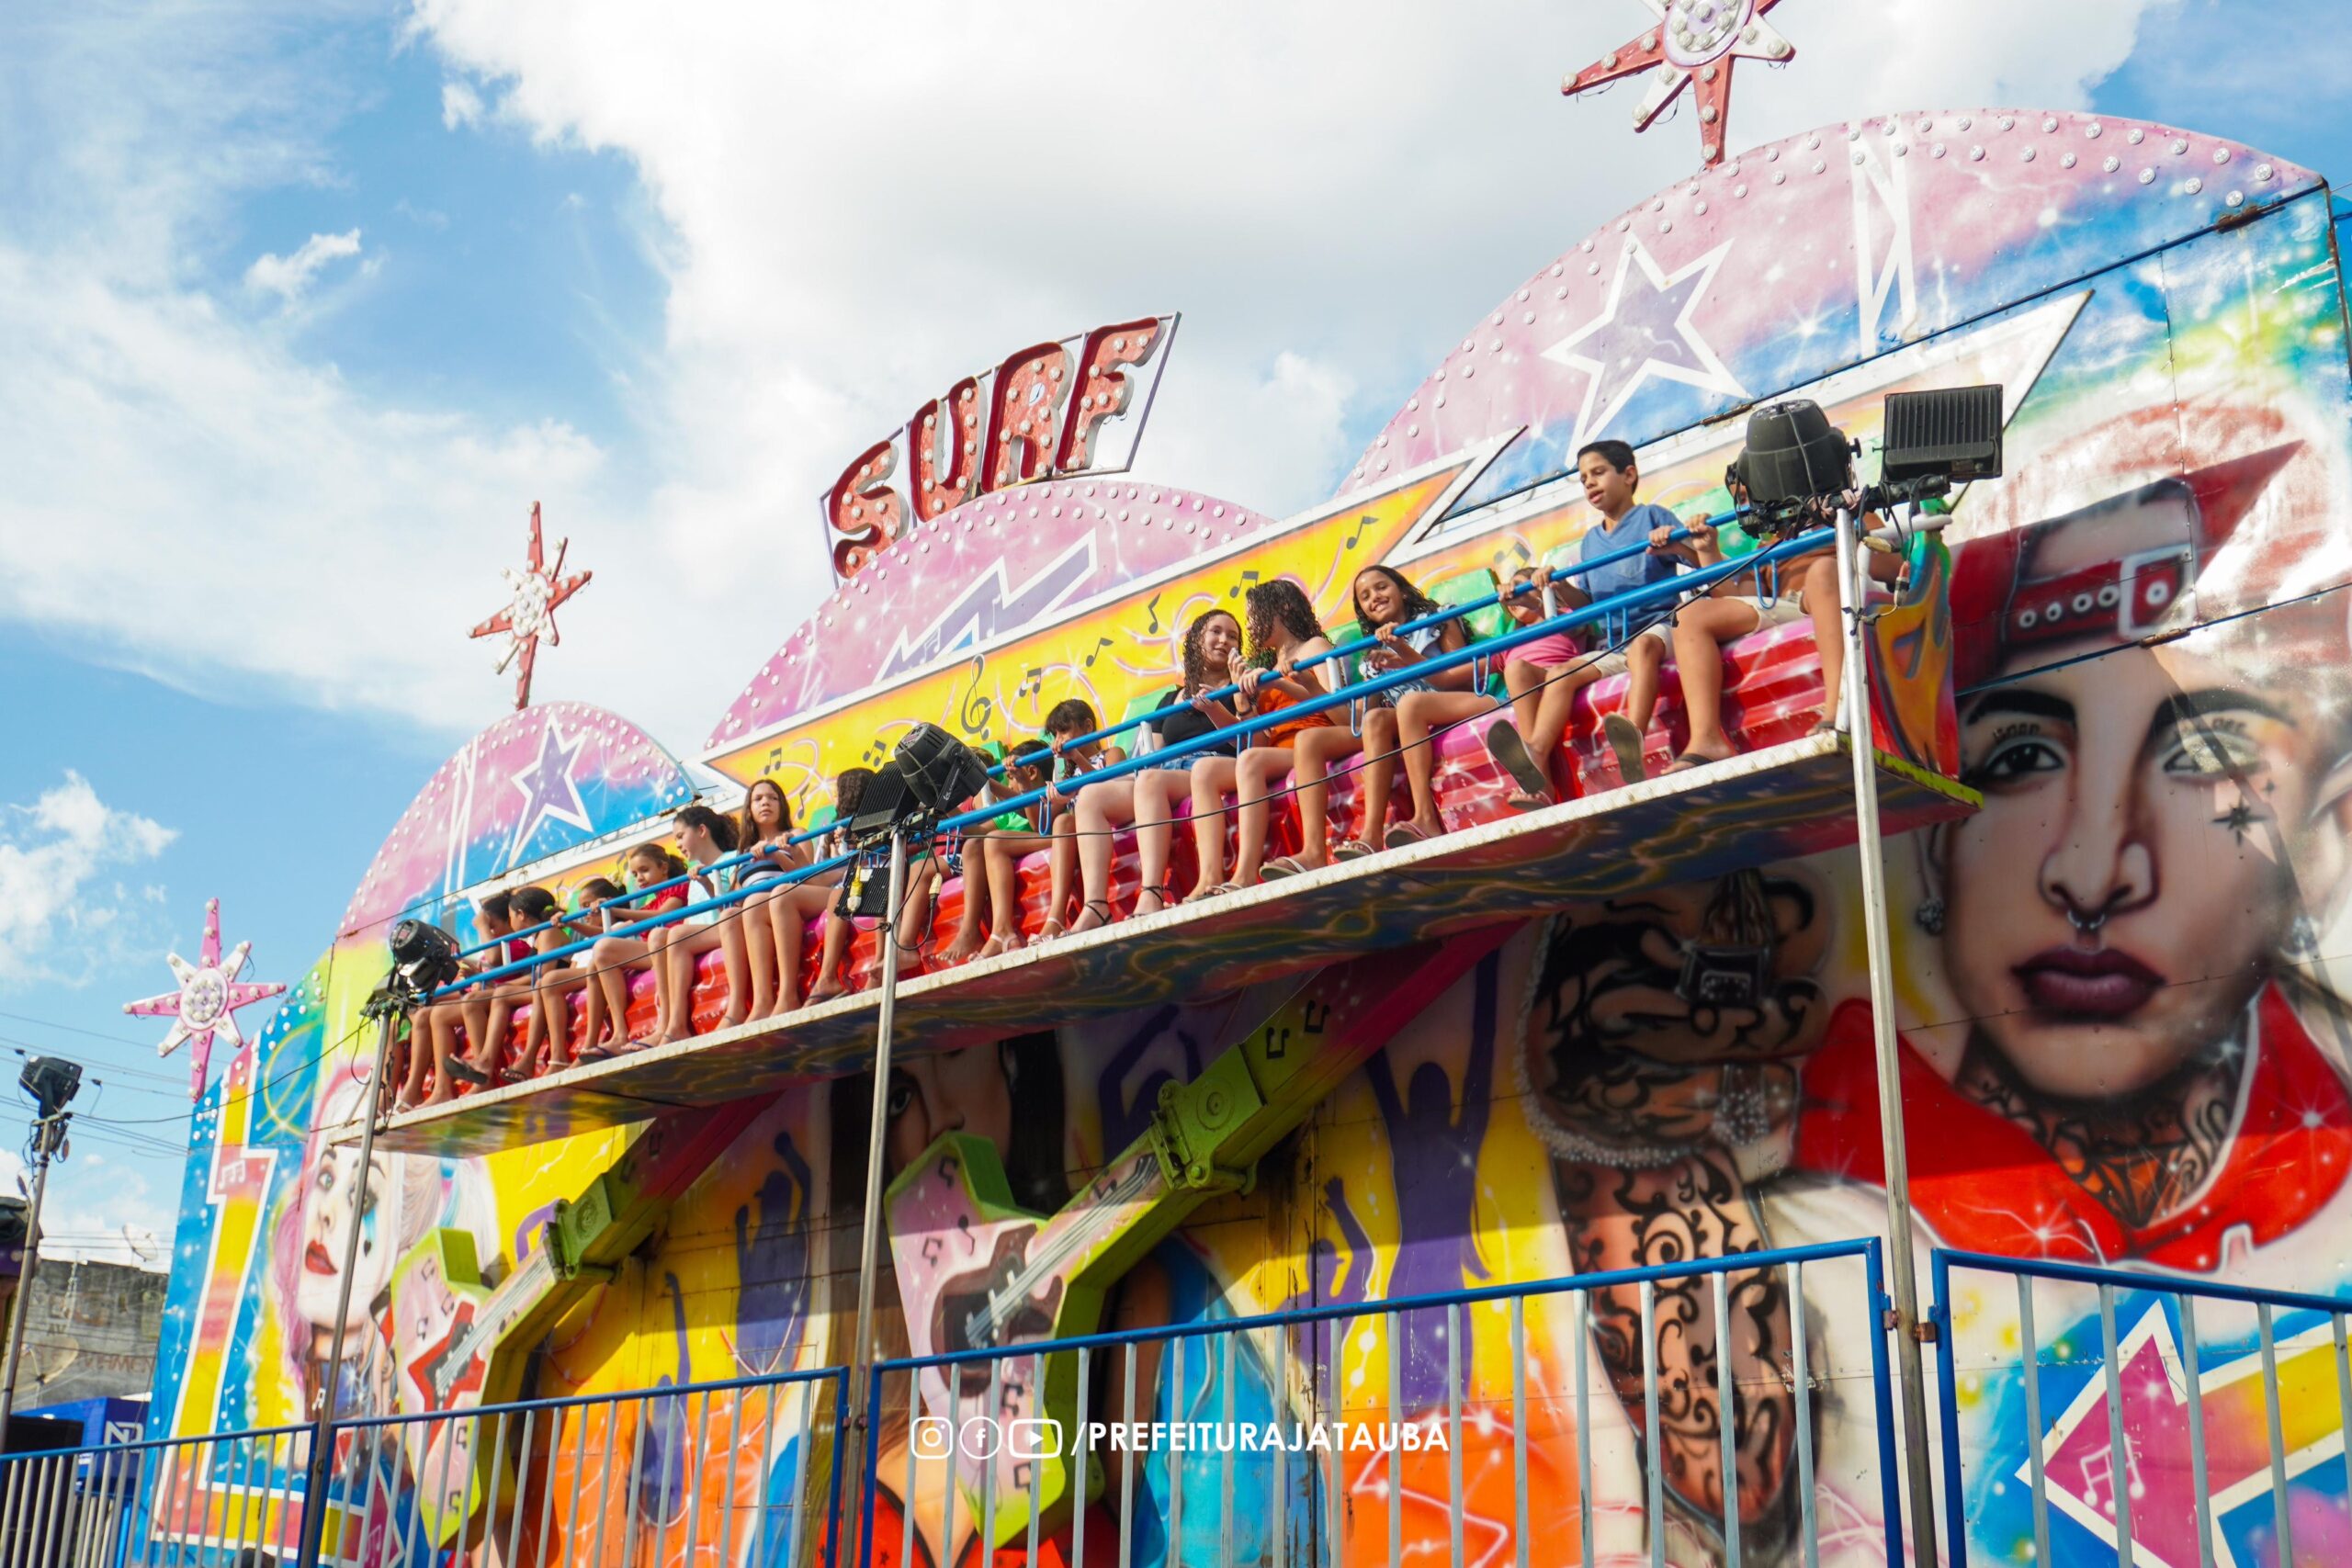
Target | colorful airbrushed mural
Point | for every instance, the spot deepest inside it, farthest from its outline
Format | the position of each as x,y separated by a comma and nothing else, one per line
2124,1035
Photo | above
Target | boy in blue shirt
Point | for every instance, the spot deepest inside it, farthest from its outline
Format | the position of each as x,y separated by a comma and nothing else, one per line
1644,635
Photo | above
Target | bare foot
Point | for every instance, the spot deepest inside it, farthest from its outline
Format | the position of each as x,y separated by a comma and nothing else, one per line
1097,913
967,947
1698,756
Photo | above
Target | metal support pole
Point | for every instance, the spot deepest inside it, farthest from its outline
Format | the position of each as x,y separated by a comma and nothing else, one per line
47,1134
314,1488
1854,699
861,1364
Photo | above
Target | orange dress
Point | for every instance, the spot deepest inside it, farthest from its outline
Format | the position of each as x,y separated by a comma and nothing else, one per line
1272,699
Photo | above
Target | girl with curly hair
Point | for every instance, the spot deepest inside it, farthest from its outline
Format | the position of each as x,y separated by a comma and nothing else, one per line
1283,631
1149,799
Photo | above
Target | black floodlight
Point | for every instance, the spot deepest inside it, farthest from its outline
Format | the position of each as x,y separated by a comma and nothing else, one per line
1952,432
53,1081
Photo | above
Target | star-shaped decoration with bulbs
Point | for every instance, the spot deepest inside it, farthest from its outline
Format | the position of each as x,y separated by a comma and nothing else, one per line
1695,42
206,1001
530,615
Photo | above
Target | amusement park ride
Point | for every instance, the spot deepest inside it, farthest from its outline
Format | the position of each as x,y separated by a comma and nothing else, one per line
993,559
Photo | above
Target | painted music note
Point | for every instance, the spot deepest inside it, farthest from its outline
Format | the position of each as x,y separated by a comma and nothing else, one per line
977,710
1033,681
1152,608
1100,644
1249,581
1362,523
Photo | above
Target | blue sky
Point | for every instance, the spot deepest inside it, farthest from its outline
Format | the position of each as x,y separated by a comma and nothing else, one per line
311,301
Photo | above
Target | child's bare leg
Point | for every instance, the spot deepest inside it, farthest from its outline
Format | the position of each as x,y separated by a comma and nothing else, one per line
838,933
1378,776
1700,632
1261,770
1102,808
1826,611
1003,875
1645,657
759,950
1061,866
967,941
735,954
1418,717
1213,778
1155,798
1314,754
913,924
1524,681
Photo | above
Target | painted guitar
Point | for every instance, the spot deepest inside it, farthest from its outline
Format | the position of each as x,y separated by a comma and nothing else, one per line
976,1271
451,1335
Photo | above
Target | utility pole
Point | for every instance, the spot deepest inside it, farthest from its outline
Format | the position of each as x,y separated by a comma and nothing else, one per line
52,1082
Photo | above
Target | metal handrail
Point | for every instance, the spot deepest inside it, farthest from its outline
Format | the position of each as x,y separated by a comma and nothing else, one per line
1443,615
1943,1261
1599,612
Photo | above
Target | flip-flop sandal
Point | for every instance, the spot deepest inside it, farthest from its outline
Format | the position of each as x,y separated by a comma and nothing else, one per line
1688,760
1403,835
1625,742
466,1072
1507,747
1823,727
1530,802
1288,865
1352,848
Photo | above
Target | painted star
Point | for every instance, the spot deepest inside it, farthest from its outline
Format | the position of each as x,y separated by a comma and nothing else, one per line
1695,41
1642,333
549,789
530,614
206,1001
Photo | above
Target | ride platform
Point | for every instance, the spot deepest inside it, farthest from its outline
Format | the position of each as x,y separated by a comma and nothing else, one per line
1774,804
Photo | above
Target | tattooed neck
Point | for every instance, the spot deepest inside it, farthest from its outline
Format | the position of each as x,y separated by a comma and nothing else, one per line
2142,1157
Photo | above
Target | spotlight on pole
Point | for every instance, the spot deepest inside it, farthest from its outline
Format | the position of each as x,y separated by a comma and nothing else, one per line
51,1081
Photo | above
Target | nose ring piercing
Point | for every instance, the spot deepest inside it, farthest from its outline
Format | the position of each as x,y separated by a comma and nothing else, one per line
2086,926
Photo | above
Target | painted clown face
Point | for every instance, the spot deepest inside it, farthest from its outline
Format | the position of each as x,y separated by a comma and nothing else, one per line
326,1228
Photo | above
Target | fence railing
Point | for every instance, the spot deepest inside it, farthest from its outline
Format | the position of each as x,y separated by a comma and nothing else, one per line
1428,1427
2153,1419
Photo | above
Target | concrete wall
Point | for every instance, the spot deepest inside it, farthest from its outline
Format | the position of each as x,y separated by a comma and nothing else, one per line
91,1333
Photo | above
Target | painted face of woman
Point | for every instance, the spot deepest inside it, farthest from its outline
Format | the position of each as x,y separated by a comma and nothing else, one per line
326,1230
2116,903
961,1091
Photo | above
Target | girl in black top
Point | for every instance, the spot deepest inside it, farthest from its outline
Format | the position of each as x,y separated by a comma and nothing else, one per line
1151,798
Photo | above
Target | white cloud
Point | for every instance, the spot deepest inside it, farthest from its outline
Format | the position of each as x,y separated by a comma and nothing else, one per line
289,277
59,909
460,105
114,1217
849,208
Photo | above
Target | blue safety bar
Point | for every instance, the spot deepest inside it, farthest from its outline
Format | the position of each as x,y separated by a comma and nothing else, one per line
1616,608
1445,614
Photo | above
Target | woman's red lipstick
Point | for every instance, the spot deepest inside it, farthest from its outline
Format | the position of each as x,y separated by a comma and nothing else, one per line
2101,984
317,1260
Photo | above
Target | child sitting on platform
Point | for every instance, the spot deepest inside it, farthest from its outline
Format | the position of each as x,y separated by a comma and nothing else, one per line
1632,643
1025,769
706,838
775,919
1383,600
1283,630
432,1030
553,981
1805,586
526,907
613,957
922,878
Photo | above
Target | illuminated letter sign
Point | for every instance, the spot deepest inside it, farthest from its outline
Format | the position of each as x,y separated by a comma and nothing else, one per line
1050,411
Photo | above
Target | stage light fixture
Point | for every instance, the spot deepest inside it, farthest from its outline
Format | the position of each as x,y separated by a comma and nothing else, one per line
51,1081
